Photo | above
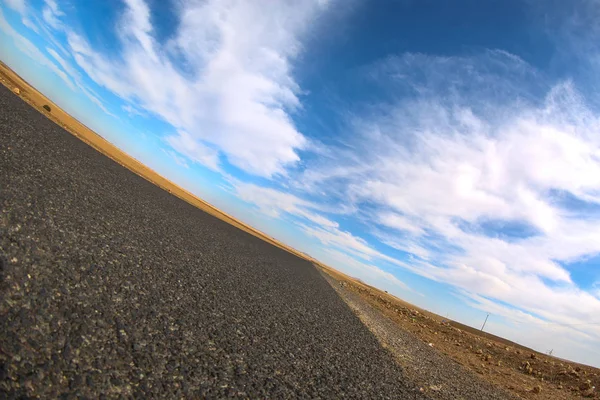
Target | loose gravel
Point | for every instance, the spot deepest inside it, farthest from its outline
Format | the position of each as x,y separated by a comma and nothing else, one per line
436,374
111,287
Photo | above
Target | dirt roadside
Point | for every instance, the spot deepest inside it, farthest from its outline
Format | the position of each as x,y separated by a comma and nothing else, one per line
511,368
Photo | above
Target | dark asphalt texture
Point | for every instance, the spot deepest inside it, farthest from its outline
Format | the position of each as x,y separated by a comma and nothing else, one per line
111,287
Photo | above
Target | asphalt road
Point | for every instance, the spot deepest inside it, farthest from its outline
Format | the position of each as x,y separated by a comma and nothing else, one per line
111,286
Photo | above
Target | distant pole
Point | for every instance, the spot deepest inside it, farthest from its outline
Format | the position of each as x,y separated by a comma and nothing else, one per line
486,317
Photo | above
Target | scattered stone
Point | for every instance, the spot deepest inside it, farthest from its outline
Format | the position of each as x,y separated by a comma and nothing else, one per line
435,388
17,91
591,392
586,385
479,351
47,107
536,389
574,373
527,367
487,357
533,356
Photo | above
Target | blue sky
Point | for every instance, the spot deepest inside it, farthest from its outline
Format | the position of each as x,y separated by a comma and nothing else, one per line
447,152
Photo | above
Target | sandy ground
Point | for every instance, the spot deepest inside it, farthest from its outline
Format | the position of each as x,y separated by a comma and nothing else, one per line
508,366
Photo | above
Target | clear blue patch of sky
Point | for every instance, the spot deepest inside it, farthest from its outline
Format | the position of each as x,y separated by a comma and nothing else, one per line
584,272
99,22
567,201
164,19
507,230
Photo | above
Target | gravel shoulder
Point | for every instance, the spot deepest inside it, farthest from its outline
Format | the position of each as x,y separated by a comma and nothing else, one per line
450,360
435,374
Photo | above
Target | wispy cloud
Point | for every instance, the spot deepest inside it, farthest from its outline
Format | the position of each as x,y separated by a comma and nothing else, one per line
17,5
32,51
186,145
52,14
238,91
440,167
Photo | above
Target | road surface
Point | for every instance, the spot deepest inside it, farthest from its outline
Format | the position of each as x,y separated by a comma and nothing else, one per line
112,286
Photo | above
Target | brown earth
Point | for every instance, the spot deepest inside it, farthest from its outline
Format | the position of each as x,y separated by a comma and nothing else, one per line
522,371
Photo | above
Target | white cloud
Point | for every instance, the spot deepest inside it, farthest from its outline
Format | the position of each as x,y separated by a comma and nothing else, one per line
275,203
52,14
194,149
30,24
366,272
237,90
77,78
17,5
132,111
64,64
32,51
400,222
464,147
177,158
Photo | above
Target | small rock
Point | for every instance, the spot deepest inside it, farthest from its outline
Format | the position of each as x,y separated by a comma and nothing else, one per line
591,392
17,91
487,357
586,385
527,367
533,356
435,388
430,344
536,389
479,351
574,373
